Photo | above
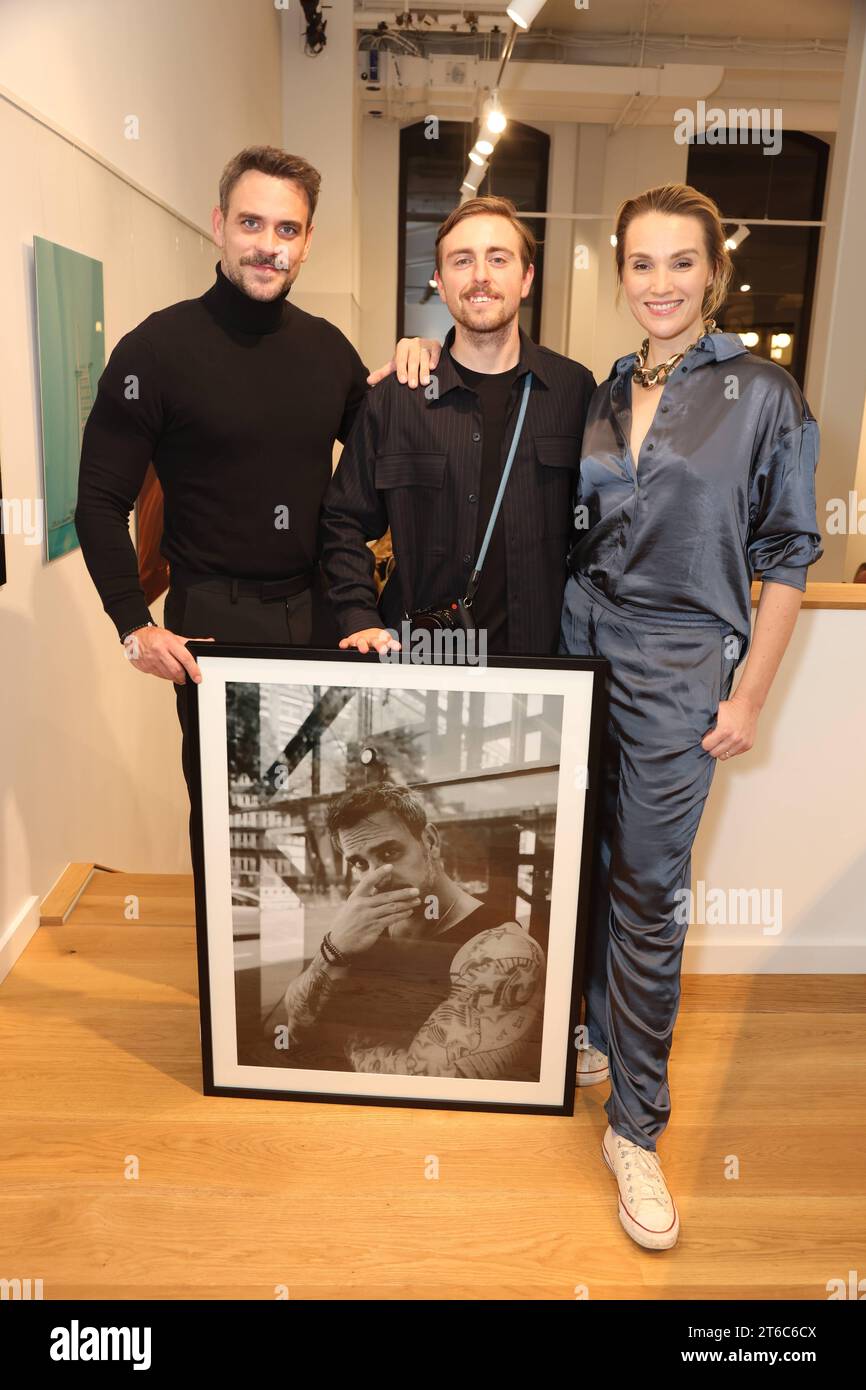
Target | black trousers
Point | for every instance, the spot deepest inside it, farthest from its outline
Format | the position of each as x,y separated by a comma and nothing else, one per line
213,608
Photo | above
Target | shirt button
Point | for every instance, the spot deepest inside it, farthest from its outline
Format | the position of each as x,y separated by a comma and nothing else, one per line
467,559
665,409
650,446
472,497
475,438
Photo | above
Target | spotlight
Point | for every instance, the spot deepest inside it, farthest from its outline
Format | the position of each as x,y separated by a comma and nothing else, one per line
744,289
493,118
734,242
781,347
474,178
523,12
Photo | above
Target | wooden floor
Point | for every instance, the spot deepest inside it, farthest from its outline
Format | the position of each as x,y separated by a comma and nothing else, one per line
99,1061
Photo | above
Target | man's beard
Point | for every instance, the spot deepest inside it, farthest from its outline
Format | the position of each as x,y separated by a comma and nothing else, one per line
497,326
427,883
282,282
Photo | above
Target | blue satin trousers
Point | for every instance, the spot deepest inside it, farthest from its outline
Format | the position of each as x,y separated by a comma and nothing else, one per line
668,673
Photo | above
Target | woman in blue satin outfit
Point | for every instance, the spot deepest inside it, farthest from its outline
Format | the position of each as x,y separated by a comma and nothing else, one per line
697,475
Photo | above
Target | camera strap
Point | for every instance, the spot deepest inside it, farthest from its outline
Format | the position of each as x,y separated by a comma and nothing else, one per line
472,586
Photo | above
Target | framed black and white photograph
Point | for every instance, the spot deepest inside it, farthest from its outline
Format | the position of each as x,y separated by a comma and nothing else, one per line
391,865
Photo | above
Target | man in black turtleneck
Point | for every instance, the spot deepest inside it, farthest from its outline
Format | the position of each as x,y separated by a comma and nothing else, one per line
237,397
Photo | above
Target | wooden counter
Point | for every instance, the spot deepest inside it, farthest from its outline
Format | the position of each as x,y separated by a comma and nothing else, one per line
826,595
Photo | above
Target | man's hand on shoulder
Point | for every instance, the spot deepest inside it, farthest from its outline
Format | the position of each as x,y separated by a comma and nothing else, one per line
157,652
413,360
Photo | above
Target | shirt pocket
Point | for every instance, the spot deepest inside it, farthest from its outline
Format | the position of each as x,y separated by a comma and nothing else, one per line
558,459
414,492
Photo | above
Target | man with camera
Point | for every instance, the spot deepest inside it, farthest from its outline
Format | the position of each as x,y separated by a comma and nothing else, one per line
475,474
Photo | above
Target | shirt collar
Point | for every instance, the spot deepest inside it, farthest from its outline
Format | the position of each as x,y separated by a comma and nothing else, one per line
712,347
232,307
531,359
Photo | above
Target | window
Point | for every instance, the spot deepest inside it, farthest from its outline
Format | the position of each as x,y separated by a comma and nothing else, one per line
778,263
431,172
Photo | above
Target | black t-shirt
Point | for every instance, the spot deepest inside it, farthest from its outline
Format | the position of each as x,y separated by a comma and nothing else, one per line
390,991
490,608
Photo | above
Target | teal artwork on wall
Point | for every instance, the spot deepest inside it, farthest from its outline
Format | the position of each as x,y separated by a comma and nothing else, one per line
71,331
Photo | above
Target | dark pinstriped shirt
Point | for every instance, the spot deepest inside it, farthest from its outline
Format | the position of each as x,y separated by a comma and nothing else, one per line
413,462
723,490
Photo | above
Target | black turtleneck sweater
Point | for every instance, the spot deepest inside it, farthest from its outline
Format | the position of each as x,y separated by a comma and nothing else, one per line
238,404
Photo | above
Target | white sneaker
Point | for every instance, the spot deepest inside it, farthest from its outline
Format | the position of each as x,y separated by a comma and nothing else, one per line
591,1066
646,1208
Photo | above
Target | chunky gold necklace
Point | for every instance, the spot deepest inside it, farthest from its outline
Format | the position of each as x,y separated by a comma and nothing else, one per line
655,376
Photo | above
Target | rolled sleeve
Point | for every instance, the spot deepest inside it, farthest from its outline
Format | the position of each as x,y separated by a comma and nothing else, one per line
784,539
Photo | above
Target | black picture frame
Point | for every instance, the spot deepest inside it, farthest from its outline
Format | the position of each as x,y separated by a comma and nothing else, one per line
225,704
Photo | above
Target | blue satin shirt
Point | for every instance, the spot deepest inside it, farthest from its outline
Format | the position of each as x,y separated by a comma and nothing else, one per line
725,490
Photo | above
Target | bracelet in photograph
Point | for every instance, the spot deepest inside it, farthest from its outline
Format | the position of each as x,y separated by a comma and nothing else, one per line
330,952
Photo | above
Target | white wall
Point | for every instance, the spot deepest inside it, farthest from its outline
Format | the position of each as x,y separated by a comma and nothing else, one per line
788,815
855,550
836,374
202,76
558,232
589,246
379,169
90,759
321,121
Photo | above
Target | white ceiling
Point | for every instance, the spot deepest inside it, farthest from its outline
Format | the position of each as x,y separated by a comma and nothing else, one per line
772,19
